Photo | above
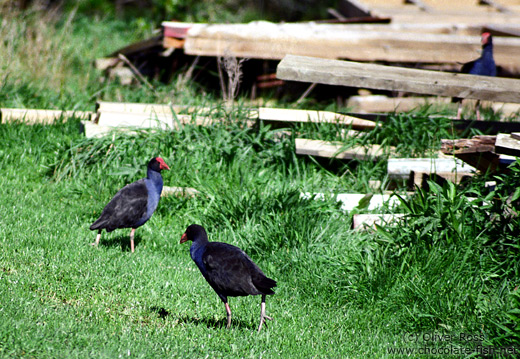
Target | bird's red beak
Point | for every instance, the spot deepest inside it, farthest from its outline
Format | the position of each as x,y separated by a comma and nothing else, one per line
184,238
162,164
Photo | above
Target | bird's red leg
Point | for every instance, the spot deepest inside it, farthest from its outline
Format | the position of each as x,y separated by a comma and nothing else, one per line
132,239
228,311
98,237
263,317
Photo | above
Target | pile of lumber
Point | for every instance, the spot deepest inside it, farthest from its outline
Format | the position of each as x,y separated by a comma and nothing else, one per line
425,34
401,43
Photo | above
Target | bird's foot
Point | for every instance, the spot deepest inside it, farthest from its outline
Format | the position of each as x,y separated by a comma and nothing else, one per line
262,321
93,244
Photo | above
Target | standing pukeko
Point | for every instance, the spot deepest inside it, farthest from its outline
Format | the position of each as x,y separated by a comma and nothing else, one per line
134,204
228,270
484,66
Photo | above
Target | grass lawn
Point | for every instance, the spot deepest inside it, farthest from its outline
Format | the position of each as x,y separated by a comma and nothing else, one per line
65,298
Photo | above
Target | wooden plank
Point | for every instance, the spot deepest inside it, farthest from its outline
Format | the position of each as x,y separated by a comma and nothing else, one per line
173,43
288,28
263,40
38,116
368,221
354,74
106,63
179,192
381,103
480,18
497,5
148,108
508,145
350,201
339,151
289,115
176,29
93,130
461,11
468,145
498,30
144,120
400,168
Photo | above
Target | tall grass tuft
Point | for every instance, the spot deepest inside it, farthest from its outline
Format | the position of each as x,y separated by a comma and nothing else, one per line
34,48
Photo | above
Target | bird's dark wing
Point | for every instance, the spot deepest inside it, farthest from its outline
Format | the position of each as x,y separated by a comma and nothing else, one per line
126,209
232,273
468,66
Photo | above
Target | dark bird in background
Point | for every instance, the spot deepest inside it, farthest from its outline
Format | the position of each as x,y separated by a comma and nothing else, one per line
134,204
228,270
483,66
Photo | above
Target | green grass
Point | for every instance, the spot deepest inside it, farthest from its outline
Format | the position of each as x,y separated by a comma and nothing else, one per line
452,267
340,293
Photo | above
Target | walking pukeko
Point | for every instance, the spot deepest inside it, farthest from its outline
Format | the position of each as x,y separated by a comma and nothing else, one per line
228,270
134,204
484,66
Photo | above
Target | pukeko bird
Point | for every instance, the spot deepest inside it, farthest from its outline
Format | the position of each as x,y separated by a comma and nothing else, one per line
484,66
134,204
228,270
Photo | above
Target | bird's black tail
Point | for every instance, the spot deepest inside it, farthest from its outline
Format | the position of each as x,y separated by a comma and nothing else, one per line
100,223
265,284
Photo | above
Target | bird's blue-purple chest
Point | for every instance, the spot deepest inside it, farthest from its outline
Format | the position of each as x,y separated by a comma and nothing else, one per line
485,65
196,253
154,194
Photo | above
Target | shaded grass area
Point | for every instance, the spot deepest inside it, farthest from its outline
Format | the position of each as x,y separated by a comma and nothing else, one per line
340,293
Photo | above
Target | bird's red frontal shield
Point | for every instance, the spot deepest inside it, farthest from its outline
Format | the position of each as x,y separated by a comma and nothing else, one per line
184,238
162,164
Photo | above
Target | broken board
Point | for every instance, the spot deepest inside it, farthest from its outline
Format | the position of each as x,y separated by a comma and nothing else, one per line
289,115
340,151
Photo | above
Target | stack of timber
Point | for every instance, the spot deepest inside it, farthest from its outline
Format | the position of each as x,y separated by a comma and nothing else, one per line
431,34
397,43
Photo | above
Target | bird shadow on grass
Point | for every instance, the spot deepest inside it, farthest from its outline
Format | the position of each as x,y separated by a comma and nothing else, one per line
120,241
208,322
